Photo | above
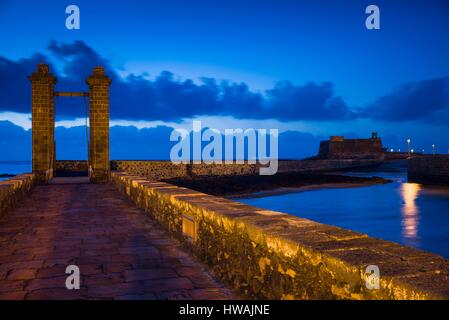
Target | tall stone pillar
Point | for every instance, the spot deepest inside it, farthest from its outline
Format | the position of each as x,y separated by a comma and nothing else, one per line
99,125
43,122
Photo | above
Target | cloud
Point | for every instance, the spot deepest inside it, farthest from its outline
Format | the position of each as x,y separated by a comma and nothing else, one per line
309,102
426,101
165,97
15,89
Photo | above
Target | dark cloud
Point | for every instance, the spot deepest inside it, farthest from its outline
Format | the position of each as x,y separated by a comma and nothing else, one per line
426,100
169,99
15,89
309,102
166,98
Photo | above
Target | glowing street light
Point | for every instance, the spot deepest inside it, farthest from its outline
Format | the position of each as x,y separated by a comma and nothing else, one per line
408,143
433,148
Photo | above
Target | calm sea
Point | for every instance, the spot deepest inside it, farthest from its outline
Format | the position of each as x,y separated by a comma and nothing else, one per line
14,167
403,212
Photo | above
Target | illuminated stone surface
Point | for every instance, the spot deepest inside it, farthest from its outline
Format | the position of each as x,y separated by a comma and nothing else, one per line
279,256
121,253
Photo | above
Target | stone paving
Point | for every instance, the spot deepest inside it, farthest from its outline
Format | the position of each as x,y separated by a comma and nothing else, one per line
121,253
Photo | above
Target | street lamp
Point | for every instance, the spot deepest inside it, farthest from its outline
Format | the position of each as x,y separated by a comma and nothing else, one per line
433,148
408,143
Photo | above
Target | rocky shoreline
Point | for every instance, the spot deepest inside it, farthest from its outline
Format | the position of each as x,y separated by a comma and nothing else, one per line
249,185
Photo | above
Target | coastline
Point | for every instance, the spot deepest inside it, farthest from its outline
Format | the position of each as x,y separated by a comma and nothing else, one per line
249,186
6,175
286,190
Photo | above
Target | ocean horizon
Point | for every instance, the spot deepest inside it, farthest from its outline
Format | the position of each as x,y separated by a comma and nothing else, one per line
14,168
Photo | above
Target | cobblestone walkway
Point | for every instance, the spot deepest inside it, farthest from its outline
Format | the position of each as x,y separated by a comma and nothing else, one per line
121,253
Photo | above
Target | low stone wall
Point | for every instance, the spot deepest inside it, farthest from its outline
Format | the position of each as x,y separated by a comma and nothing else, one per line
71,165
12,190
429,169
273,255
158,170
152,169
66,168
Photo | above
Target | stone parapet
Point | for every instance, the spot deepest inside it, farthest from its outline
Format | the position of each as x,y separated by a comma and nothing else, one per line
159,170
273,255
13,189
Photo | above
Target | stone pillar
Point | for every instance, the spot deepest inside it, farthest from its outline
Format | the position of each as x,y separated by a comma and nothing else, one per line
99,125
43,122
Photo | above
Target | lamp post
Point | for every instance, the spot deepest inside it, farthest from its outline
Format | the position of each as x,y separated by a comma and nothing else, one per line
408,144
433,149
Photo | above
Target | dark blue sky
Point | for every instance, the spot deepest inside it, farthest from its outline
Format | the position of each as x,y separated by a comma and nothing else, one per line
341,77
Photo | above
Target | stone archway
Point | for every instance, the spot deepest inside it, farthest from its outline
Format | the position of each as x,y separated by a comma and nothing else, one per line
43,123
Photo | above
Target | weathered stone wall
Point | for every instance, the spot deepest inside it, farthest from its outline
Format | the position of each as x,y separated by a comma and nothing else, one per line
13,189
157,170
429,169
273,255
72,165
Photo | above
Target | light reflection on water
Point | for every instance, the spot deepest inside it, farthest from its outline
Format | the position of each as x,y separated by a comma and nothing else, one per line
403,212
410,213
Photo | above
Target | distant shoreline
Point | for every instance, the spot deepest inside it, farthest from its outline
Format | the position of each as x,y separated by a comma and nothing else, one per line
281,191
6,175
244,186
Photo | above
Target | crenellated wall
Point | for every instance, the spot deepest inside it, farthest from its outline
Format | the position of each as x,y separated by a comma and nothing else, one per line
273,255
432,169
13,189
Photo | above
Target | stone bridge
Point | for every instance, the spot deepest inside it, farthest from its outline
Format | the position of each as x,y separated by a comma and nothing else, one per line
134,237
121,253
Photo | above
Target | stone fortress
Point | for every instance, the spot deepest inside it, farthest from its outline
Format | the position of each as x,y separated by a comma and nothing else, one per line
340,148
259,253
